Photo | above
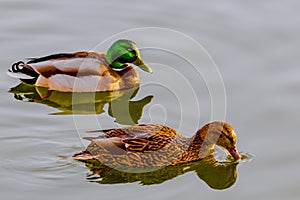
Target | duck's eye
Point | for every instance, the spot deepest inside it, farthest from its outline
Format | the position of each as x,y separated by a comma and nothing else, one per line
132,51
129,49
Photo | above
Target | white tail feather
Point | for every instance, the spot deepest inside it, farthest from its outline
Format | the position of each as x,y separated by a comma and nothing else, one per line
19,75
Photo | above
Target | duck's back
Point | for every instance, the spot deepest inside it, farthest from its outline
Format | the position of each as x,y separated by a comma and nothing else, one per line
142,129
76,64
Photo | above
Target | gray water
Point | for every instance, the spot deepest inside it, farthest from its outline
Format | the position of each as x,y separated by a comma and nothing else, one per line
254,46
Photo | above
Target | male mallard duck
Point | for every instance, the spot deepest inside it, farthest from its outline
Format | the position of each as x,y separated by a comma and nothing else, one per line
155,145
84,71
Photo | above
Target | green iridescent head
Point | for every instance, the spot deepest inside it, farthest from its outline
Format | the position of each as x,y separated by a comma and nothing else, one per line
125,51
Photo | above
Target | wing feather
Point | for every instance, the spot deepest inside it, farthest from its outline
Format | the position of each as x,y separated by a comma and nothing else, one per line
75,64
139,138
147,143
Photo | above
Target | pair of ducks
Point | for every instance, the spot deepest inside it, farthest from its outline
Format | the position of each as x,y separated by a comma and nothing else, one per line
144,145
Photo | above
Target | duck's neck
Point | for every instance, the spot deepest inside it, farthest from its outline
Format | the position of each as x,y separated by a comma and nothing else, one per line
129,78
203,142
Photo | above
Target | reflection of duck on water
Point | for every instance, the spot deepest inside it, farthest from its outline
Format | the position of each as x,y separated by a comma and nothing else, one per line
216,175
120,105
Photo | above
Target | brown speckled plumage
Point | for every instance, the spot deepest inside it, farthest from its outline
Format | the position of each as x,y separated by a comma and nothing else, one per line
155,145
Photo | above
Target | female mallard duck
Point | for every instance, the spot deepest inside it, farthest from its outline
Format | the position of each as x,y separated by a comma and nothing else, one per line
155,145
84,71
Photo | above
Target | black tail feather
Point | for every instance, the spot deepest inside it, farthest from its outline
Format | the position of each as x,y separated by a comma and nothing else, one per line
21,67
16,67
101,131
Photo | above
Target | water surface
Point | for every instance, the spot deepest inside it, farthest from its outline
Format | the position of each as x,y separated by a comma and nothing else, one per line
255,46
